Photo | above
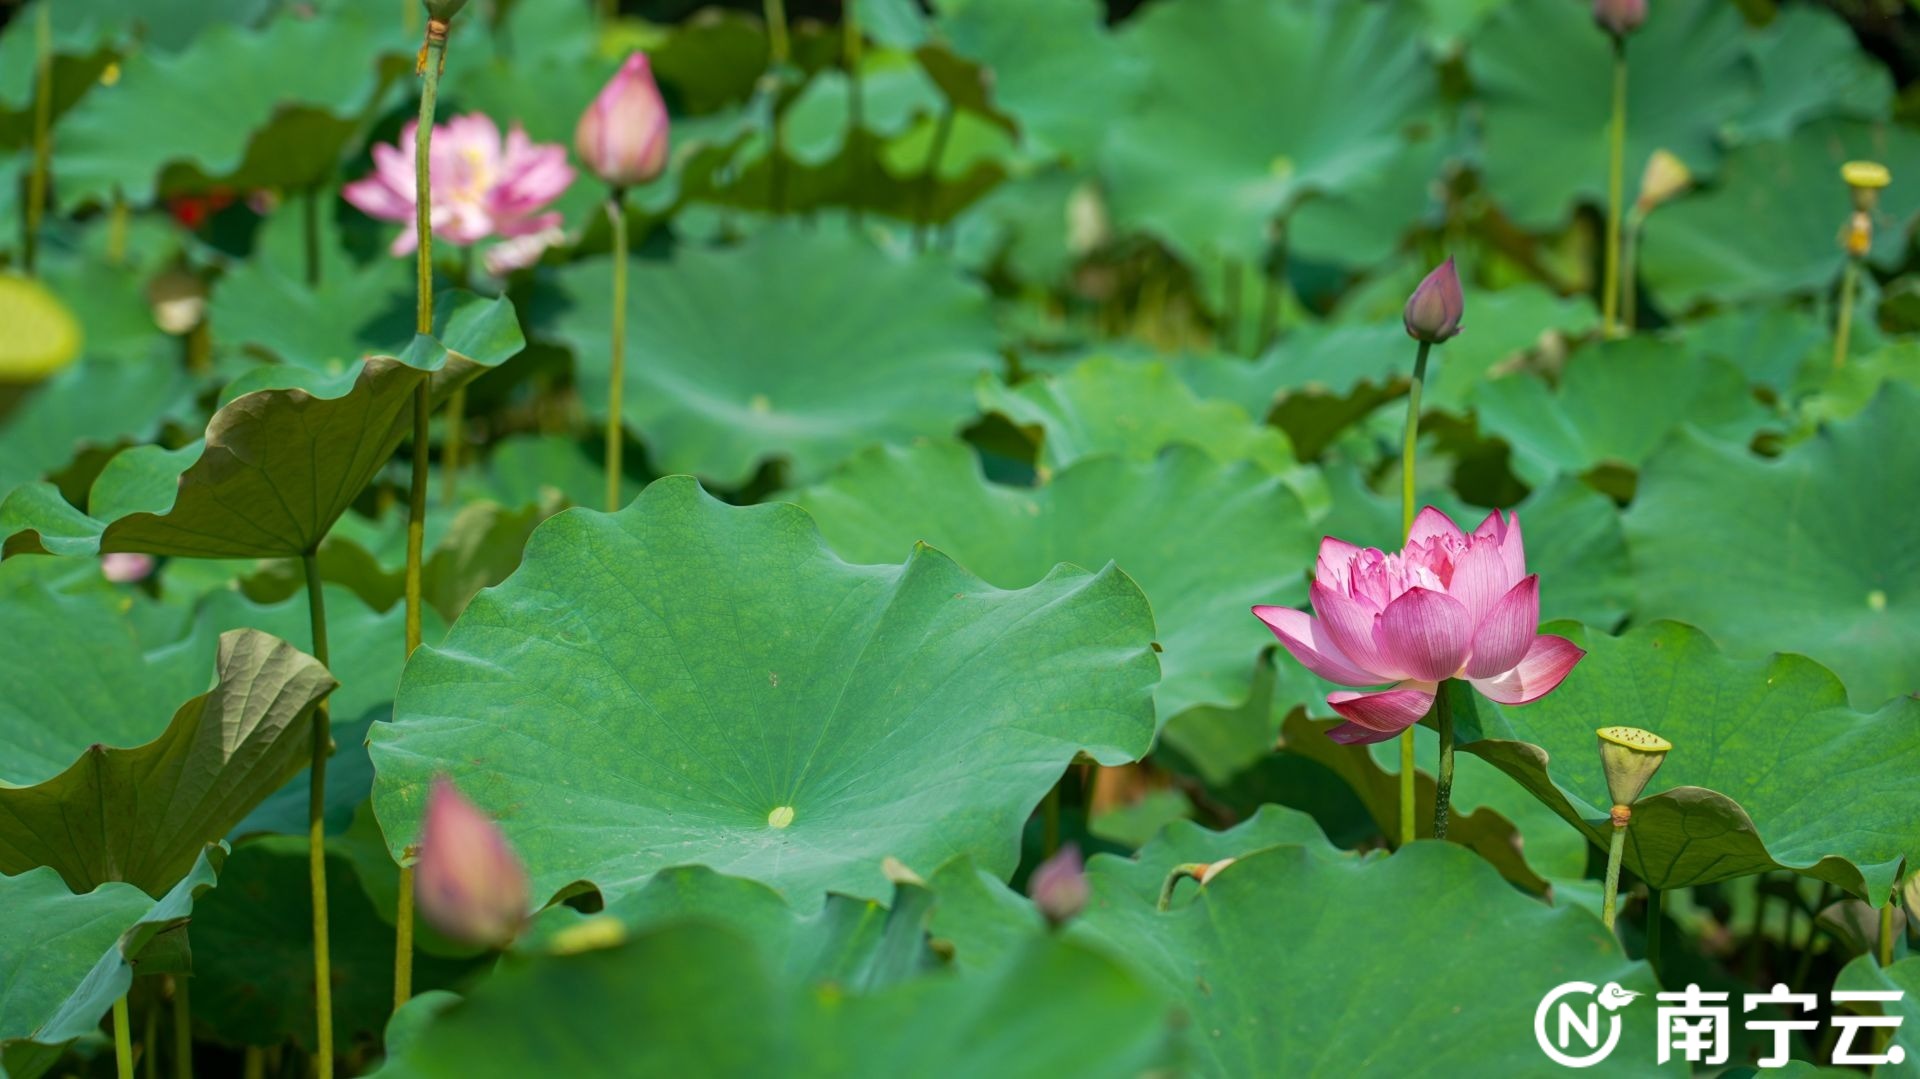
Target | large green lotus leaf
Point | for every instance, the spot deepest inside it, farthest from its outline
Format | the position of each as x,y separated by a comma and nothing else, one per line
93,403
70,956
1346,227
259,307
272,107
1367,988
1218,144
1772,225
1544,76
1903,977
1616,403
1053,67
253,952
720,375
1810,552
1810,66
1749,785
1054,1008
1132,408
1204,540
283,460
141,814
1782,348
912,711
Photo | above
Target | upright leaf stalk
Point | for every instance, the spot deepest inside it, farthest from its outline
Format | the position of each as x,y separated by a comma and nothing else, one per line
1618,18
1629,756
1864,180
317,832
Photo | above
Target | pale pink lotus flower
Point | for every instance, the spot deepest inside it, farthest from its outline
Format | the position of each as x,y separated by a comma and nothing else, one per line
470,884
1448,605
622,137
125,567
483,185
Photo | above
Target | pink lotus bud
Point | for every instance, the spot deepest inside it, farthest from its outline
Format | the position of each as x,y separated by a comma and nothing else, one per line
1619,17
622,136
1433,311
1059,885
122,567
470,884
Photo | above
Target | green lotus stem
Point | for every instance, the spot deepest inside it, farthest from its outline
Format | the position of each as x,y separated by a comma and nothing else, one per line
930,176
1609,897
317,832
851,44
122,1039
1654,903
149,1042
1843,326
1885,949
1629,273
42,134
451,452
1409,454
1050,822
778,46
117,229
182,1029
1183,871
1805,965
1230,307
310,235
255,1064
779,51
617,371
1443,786
1616,184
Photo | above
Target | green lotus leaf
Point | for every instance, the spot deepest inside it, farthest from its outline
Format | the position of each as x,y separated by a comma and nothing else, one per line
1053,67
71,956
1544,75
718,380
899,24
911,711
1749,785
1204,541
253,952
1055,1007
1772,225
1782,348
1811,67
142,814
894,92
1409,1002
1903,977
283,460
1615,404
1808,552
262,309
1218,145
92,404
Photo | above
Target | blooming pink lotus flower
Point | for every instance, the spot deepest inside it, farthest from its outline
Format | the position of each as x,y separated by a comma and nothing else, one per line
470,884
482,185
622,137
1448,605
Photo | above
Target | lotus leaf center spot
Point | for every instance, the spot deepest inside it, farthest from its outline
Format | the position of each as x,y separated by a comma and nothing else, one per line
780,817
1877,600
760,405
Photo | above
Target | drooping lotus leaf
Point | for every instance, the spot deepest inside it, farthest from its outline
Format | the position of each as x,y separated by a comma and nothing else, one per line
1217,144
1204,541
1810,67
1054,1008
280,463
1750,783
1772,224
1616,402
142,814
803,345
253,952
1810,552
1544,76
684,682
267,108
71,956
1053,67
1410,1001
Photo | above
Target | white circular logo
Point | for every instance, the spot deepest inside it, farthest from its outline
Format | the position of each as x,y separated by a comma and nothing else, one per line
1556,1029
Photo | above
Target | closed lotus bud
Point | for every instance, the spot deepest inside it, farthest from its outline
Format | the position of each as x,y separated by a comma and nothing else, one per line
1059,885
1620,17
1630,757
1666,176
622,136
1864,181
1433,311
124,567
470,884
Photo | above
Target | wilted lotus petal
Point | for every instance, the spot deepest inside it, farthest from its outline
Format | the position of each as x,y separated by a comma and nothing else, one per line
1433,311
622,137
1059,885
469,882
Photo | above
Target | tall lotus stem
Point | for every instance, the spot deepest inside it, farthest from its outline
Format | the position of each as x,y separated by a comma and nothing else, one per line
122,1039
851,44
317,831
617,332
1864,181
182,1029
1200,872
1616,184
1884,951
42,132
1630,757
779,50
149,1040
1443,782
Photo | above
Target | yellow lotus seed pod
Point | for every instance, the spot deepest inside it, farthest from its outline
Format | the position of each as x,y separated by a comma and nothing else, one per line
1630,757
1666,176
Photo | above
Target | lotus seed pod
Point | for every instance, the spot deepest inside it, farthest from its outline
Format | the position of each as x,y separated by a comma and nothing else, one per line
1433,311
1666,177
1620,17
1630,757
1864,181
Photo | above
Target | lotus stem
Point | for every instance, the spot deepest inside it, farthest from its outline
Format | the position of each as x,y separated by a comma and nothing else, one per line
1050,822
1654,920
1409,454
122,1039
432,58
1443,786
310,234
182,1029
149,1042
42,134
255,1065
616,378
1183,871
1609,900
1616,184
1629,273
117,229
1885,950
451,452
1843,325
317,832
779,50
930,176
851,44
1230,307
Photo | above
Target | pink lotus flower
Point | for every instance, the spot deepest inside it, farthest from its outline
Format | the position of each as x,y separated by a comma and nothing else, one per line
122,567
1448,605
482,186
470,884
622,137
